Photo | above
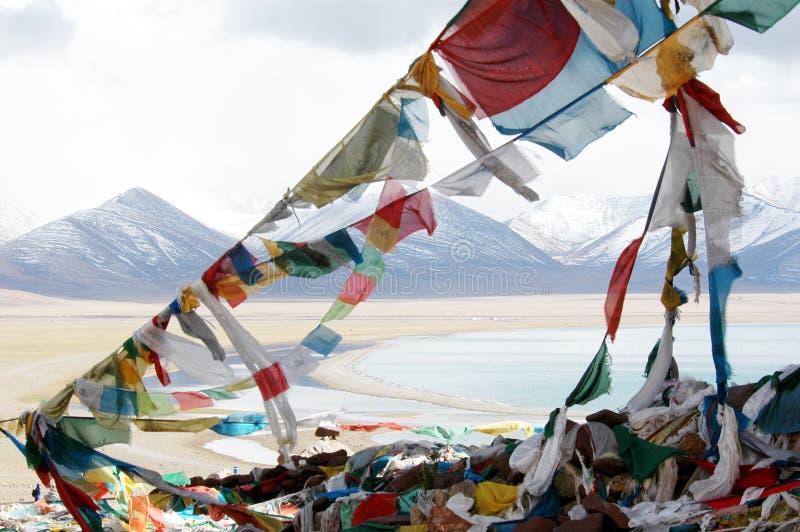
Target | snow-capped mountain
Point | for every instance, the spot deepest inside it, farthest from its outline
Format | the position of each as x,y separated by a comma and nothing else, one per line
564,227
138,246
134,245
782,192
595,231
469,254
16,220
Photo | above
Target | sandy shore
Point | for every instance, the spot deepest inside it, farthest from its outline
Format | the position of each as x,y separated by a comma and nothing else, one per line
48,341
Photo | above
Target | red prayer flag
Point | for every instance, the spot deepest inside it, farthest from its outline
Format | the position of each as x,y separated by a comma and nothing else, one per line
619,285
271,381
405,214
192,400
490,44
376,505
356,289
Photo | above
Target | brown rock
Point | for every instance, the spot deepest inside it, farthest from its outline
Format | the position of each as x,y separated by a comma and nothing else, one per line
566,480
617,485
595,504
607,417
405,480
609,465
439,497
444,520
417,517
442,481
334,459
500,463
692,444
466,488
324,432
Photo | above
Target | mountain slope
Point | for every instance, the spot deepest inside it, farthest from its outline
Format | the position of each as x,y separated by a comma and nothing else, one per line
469,254
16,220
782,192
134,245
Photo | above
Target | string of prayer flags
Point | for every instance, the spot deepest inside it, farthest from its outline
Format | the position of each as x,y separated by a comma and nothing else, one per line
176,425
266,373
380,145
90,433
609,30
295,259
240,424
508,164
488,47
359,285
720,281
315,258
396,217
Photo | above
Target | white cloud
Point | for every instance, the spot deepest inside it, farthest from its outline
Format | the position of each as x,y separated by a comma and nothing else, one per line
172,97
360,27
34,26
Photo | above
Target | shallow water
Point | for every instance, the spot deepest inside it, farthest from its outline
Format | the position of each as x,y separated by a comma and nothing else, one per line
539,367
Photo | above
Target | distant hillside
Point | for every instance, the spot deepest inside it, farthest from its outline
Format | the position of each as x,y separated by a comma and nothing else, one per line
16,220
134,246
138,246
469,255
590,232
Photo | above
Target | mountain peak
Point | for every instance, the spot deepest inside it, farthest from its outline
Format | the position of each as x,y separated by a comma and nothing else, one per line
133,244
136,197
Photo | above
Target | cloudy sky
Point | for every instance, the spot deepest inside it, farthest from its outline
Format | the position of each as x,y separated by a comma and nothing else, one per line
218,105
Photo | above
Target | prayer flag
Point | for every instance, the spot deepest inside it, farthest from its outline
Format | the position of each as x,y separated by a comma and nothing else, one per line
236,261
580,124
595,381
758,15
397,216
271,381
671,296
618,286
192,400
522,62
720,281
322,340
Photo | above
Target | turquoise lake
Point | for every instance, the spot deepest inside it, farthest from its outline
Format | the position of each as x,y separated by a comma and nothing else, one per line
539,367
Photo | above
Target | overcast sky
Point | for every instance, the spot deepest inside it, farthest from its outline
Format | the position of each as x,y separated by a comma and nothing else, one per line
221,104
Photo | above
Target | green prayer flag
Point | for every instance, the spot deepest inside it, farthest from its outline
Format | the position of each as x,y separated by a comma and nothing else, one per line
550,427
338,311
176,425
641,457
90,433
596,380
156,404
178,478
651,358
372,266
758,15
218,394
445,433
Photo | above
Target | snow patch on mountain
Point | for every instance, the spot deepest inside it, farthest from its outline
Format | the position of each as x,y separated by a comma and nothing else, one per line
134,244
